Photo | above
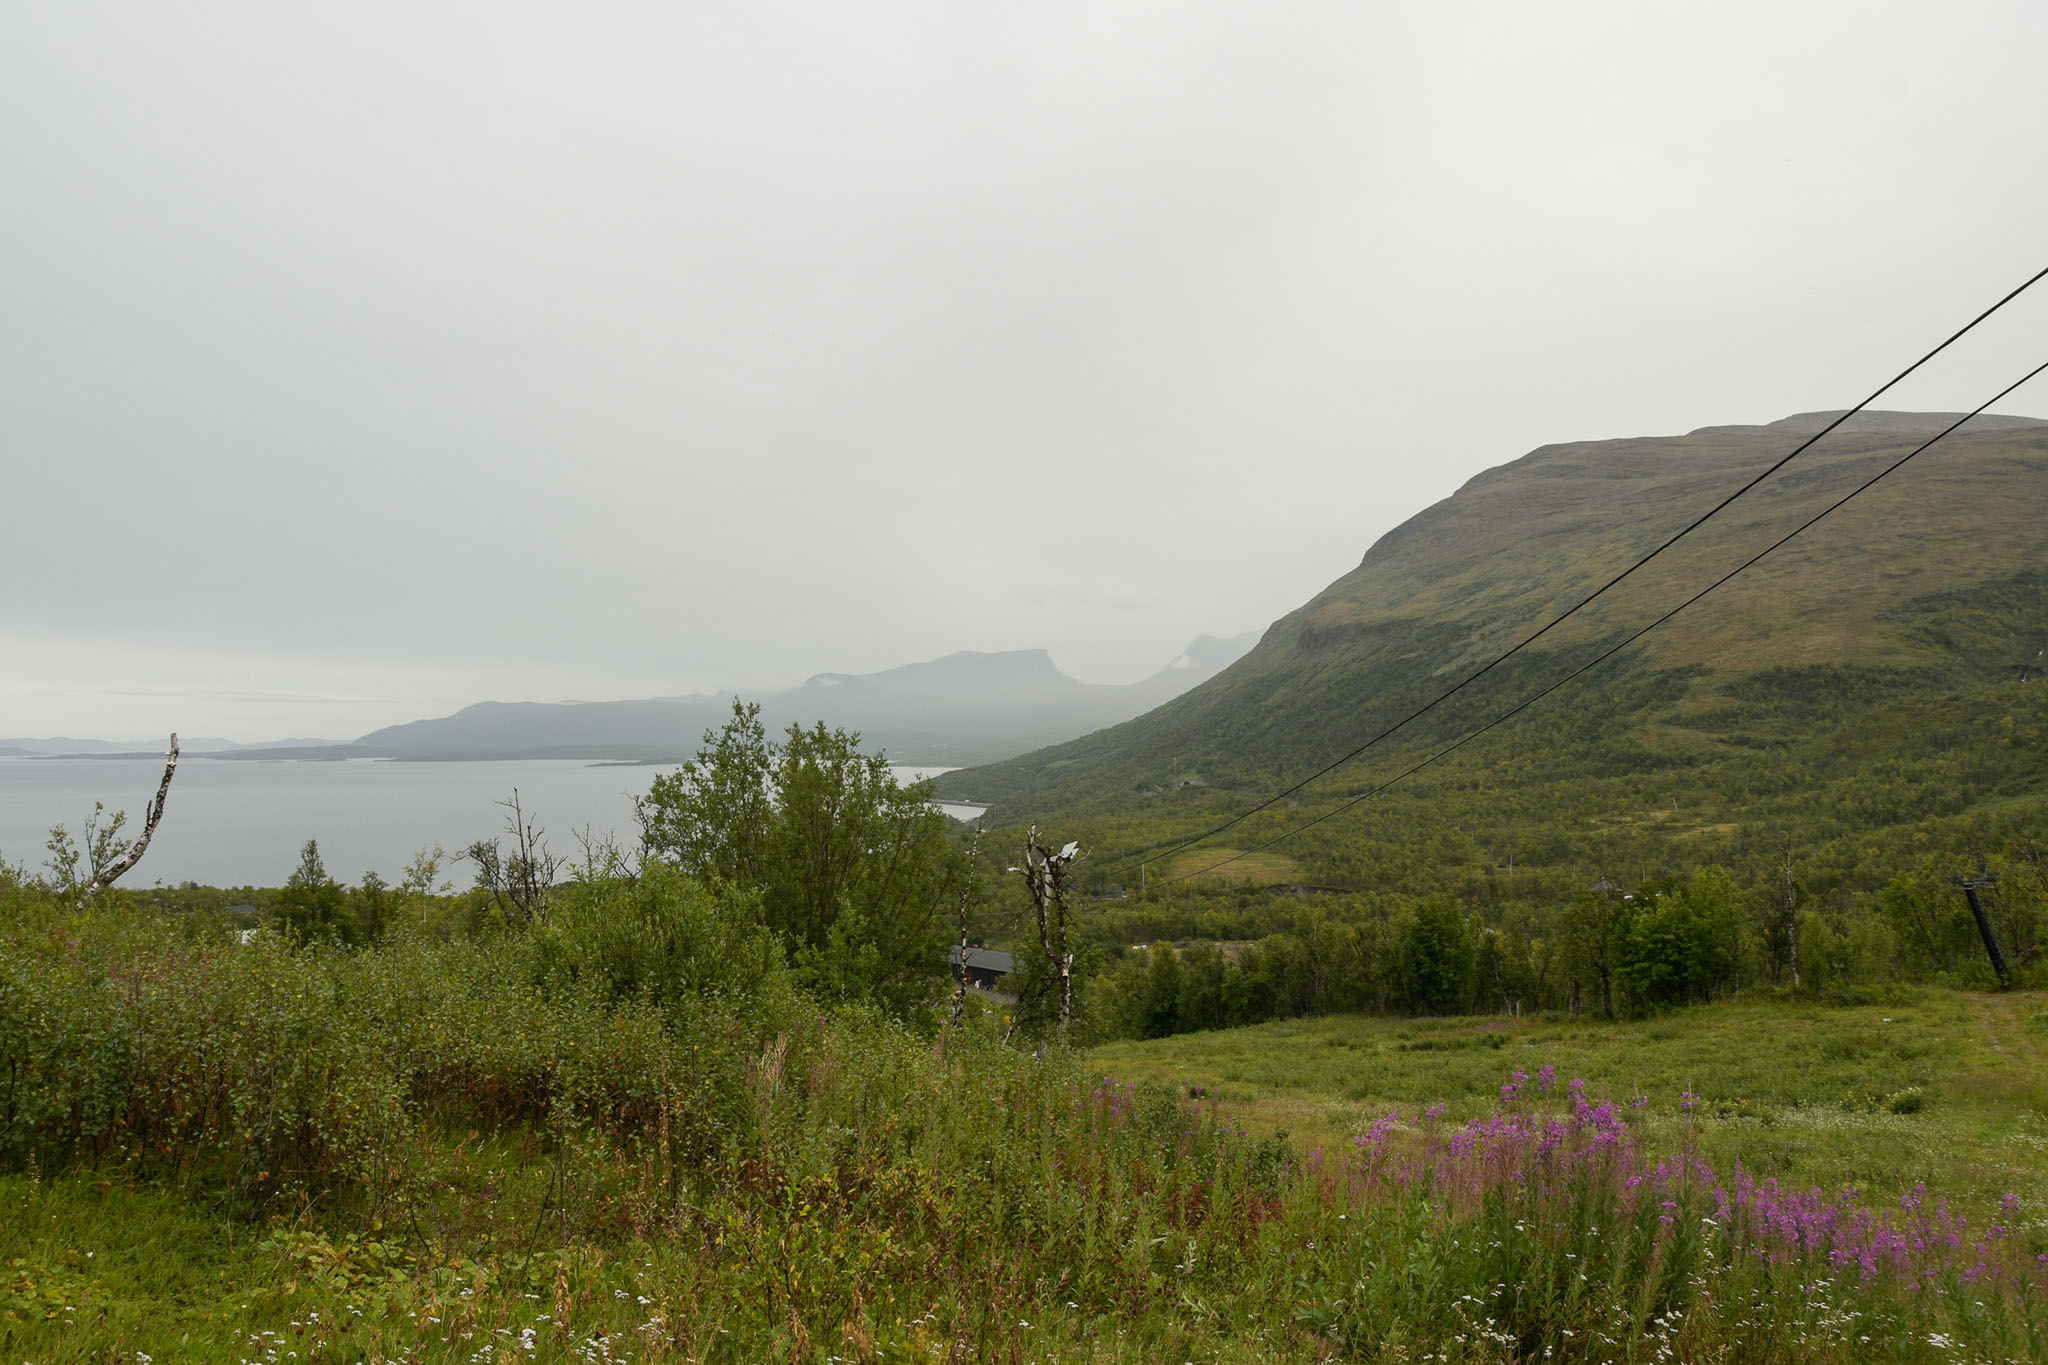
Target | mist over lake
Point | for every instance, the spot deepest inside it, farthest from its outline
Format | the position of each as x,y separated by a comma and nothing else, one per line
242,824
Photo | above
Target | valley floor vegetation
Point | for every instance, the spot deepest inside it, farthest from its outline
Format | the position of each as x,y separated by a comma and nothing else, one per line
709,1103
1658,836
627,1133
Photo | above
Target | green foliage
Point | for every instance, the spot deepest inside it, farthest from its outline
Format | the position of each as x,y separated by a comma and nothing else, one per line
711,817
1614,953
62,862
370,908
72,867
662,939
1888,774
1436,957
1160,1009
1201,1003
619,1127
1812,1094
258,1069
850,869
312,905
1681,946
514,885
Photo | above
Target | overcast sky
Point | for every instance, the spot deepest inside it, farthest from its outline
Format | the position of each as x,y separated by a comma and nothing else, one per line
361,361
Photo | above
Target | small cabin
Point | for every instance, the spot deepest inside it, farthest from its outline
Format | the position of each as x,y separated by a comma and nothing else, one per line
984,967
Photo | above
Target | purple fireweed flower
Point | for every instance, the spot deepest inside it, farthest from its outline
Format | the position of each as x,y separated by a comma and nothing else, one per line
1537,1162
1546,1076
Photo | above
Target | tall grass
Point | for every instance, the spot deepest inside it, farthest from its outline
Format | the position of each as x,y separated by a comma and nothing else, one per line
625,1136
256,1069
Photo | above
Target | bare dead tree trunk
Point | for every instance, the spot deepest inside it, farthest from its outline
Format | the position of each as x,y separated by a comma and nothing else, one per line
106,876
519,884
1056,884
1791,919
1045,877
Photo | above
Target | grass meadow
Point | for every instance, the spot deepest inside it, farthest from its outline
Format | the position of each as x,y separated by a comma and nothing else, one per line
1945,1088
624,1135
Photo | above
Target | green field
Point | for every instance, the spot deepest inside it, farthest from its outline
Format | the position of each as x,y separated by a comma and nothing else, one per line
1004,1215
1942,1087
642,1126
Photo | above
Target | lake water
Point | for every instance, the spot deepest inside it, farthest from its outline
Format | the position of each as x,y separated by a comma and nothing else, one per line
242,823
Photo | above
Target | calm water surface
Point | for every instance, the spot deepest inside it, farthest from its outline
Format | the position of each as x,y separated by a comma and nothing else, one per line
231,823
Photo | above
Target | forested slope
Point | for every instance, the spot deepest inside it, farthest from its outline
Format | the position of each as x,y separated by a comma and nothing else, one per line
1926,586
1866,704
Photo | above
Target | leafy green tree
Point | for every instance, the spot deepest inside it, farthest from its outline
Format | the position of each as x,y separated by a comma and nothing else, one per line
1819,954
1436,956
711,817
311,904
370,906
1160,1012
103,847
1922,909
62,863
1201,988
1683,945
1490,972
1250,995
663,938
423,885
852,870
1592,930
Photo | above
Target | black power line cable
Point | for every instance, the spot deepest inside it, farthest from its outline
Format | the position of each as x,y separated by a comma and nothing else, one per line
1607,654
1587,601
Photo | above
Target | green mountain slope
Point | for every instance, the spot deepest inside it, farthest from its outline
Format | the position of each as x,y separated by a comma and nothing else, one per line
1851,648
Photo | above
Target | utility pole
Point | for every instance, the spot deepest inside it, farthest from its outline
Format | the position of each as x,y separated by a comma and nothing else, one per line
1971,886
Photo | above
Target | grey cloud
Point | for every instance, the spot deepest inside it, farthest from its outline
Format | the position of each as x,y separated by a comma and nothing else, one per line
640,349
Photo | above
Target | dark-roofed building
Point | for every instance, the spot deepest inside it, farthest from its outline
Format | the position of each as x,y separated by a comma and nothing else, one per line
985,967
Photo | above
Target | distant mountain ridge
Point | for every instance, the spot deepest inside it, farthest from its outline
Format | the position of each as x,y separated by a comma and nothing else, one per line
61,746
967,707
1888,423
